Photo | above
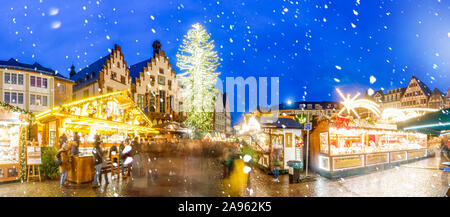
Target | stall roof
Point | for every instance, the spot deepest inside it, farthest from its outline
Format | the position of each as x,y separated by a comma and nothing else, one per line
435,123
121,97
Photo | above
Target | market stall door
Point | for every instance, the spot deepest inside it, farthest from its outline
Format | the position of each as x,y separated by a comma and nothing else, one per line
289,150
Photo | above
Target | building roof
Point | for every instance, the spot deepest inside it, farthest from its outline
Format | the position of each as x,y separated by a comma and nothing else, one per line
286,123
438,92
90,73
35,67
137,68
423,86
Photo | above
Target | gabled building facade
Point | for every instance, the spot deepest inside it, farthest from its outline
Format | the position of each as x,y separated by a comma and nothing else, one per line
105,75
437,99
156,89
416,94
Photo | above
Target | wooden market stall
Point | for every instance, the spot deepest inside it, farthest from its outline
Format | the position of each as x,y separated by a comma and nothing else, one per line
114,116
14,124
341,149
278,140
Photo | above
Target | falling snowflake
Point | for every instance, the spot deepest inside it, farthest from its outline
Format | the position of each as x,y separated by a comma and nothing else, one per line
53,11
338,67
56,25
372,79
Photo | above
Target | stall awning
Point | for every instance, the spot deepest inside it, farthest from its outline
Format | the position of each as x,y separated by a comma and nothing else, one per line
435,123
111,110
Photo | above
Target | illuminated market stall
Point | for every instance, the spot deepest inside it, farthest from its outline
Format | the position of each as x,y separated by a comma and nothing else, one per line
13,133
278,140
340,148
113,116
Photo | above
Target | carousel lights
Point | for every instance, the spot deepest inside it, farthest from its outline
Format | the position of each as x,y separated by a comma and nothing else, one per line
398,115
351,103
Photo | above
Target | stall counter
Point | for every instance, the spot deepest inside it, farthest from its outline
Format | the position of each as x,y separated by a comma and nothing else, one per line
82,170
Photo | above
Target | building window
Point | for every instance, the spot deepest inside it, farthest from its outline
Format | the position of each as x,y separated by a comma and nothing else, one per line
161,80
13,78
171,103
152,102
20,79
44,82
14,98
44,100
122,79
38,82
169,83
7,78
62,88
162,104
20,98
152,80
38,100
32,99
161,71
7,97
113,76
141,101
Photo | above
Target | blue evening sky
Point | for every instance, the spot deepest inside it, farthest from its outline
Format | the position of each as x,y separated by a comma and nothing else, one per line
313,46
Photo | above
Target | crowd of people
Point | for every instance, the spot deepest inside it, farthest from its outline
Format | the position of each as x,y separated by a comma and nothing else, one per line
122,158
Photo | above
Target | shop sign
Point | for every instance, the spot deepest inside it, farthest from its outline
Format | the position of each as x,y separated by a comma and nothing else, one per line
347,162
34,156
308,126
416,154
398,156
372,159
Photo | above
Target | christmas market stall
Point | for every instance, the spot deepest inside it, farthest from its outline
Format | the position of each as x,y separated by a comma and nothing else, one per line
112,116
14,123
278,140
342,147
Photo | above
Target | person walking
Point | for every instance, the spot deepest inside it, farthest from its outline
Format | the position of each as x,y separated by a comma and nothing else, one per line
64,167
275,165
98,159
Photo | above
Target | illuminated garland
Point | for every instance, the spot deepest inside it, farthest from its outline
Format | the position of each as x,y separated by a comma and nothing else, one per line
8,107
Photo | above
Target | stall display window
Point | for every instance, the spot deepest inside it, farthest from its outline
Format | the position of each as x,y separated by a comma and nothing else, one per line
324,142
346,141
9,144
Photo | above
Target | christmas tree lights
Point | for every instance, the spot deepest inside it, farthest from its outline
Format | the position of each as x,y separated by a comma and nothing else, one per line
198,61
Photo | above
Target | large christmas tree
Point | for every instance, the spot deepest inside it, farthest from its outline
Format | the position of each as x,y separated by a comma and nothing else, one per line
198,61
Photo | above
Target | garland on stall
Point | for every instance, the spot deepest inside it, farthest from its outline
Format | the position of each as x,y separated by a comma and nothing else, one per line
9,107
23,153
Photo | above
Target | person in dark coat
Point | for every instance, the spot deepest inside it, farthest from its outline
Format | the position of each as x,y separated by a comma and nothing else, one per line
98,159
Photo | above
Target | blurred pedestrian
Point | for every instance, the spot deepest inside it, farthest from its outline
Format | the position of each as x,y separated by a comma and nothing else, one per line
104,169
275,165
98,159
65,164
445,150
74,148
